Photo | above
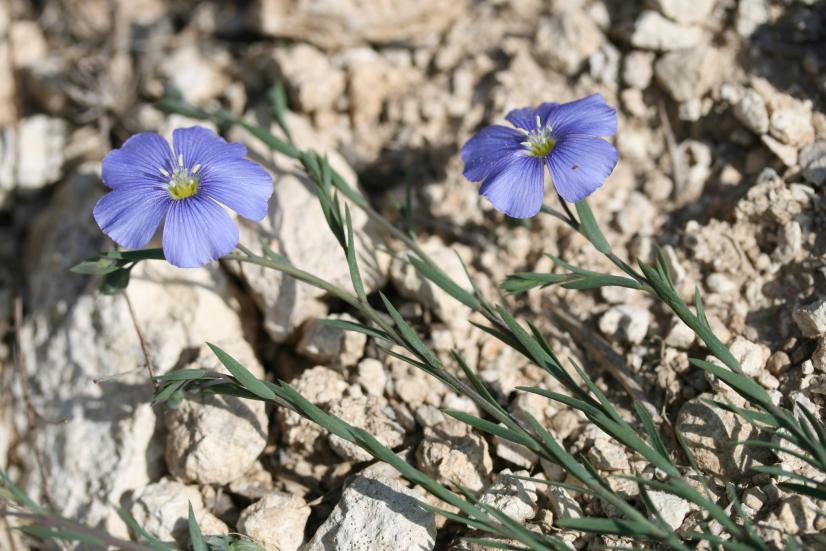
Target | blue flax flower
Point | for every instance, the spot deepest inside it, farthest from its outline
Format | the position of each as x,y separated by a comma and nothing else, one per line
189,184
510,162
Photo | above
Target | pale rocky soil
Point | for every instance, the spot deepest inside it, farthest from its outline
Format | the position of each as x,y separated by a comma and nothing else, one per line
722,138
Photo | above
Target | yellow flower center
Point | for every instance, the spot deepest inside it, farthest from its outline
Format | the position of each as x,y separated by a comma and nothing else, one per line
183,182
538,142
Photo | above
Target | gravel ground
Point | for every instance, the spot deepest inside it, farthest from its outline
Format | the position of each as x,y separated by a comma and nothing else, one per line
722,141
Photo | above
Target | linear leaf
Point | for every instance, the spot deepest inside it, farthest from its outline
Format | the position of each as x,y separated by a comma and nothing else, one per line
195,536
590,227
247,379
444,282
352,260
355,327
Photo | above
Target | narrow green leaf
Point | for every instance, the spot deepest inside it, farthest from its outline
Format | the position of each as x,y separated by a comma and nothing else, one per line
410,336
20,497
141,534
743,385
492,544
443,281
135,255
182,375
495,430
278,100
478,525
352,261
195,536
615,526
247,379
601,280
590,227
96,266
268,139
355,327
698,306
47,533
475,381
817,492
524,281
651,429
115,282
166,391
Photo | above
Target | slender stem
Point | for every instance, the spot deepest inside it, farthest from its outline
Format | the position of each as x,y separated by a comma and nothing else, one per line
571,218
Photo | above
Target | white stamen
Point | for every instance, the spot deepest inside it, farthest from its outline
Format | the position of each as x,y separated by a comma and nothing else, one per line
538,122
196,168
164,172
180,159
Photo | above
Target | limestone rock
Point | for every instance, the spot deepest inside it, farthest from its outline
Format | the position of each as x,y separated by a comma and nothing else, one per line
162,509
514,453
276,521
813,162
371,376
605,453
370,414
8,89
213,439
638,69
709,433
515,497
751,14
296,229
752,356
199,75
811,319
562,504
652,31
687,74
566,39
320,385
792,124
752,112
372,80
685,11
460,457
336,24
414,286
85,361
627,322
376,514
330,345
672,509
785,152
314,82
40,143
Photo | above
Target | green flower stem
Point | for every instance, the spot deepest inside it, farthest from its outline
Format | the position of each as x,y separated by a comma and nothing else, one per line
666,293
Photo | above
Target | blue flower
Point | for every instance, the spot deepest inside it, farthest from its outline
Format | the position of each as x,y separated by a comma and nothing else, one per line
510,162
187,184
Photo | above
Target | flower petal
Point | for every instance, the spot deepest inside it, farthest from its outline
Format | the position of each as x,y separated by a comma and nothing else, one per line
138,161
489,151
242,185
201,146
525,118
580,165
543,111
589,116
130,214
522,118
519,188
197,231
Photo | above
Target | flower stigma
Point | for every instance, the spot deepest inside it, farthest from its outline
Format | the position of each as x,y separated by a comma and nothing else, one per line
538,142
